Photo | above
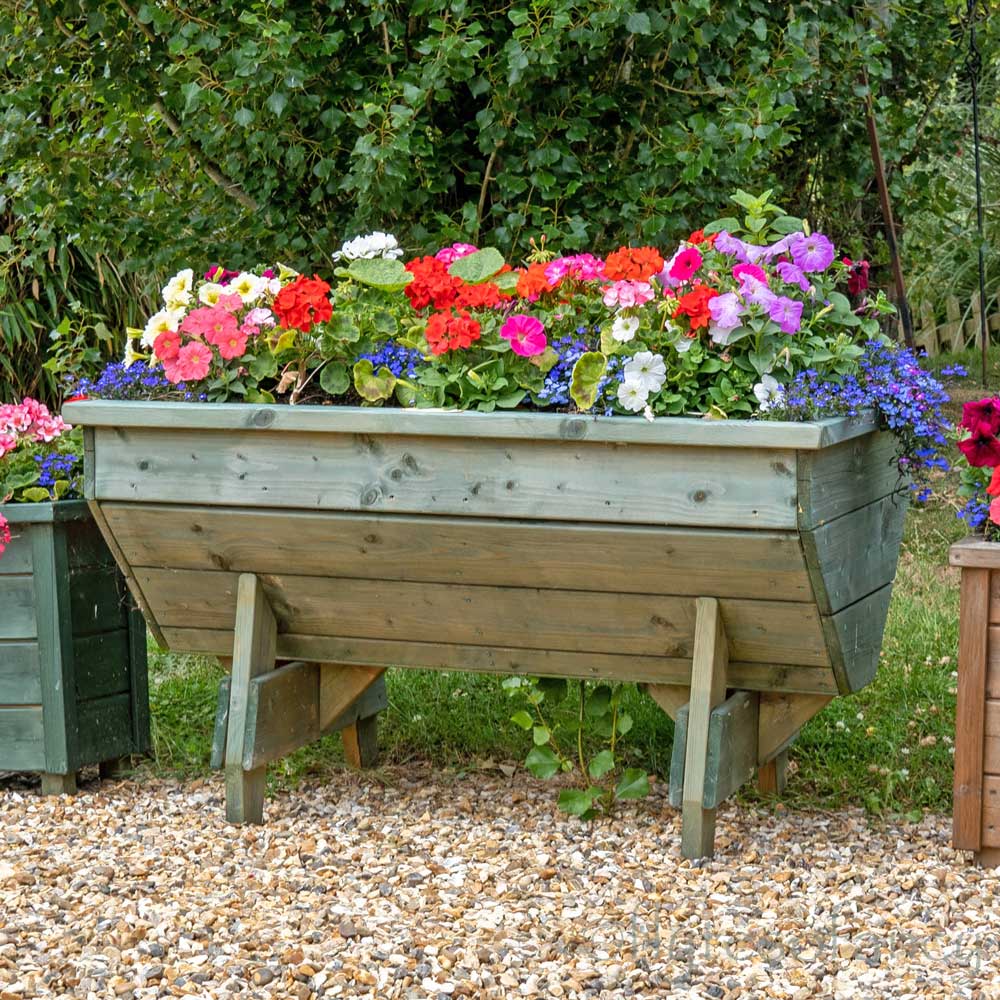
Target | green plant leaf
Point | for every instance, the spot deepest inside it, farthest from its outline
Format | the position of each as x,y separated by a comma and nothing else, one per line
786,224
263,366
340,328
599,701
601,765
522,719
334,378
729,224
35,494
507,281
587,374
624,723
380,272
554,689
634,784
578,801
542,762
371,385
541,735
477,267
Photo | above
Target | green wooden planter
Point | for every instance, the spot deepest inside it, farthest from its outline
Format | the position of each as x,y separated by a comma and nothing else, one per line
73,688
707,560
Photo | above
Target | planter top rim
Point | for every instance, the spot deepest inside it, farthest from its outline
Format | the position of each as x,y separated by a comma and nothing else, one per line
520,425
975,552
45,513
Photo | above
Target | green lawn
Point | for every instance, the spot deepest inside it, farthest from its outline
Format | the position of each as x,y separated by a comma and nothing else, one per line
887,748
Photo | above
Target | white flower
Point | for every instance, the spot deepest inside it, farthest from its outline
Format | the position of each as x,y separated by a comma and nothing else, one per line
632,395
377,244
624,328
769,393
648,369
210,292
130,356
247,286
165,321
177,291
648,413
273,286
260,317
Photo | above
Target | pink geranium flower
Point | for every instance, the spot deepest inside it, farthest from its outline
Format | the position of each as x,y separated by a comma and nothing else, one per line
628,293
526,335
448,255
191,364
685,265
7,443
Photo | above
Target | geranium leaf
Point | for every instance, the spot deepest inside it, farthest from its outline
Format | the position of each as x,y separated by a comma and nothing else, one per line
587,374
477,267
383,273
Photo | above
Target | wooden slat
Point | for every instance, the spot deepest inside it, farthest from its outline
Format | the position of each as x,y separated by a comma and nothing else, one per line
761,631
44,513
86,547
991,737
854,555
340,686
17,599
990,834
994,618
551,480
732,747
854,639
975,552
970,711
98,602
101,664
518,426
670,697
781,717
105,729
19,673
22,740
282,713
993,662
17,556
138,680
845,477
688,561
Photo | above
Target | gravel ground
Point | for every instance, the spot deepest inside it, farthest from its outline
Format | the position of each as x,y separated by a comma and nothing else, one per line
422,884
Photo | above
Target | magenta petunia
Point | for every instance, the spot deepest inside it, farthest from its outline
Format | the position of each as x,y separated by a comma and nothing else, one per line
981,417
526,335
792,274
685,265
751,269
981,450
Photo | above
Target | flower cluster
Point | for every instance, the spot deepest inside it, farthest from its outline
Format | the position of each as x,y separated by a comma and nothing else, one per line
28,422
981,473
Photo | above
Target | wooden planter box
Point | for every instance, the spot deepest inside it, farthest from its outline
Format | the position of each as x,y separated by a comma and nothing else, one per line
708,560
977,724
72,649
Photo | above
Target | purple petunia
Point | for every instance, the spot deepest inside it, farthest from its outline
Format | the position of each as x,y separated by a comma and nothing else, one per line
811,253
792,274
787,313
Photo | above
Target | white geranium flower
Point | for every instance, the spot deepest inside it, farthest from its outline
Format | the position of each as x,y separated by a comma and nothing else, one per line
648,369
165,321
624,328
247,286
769,392
177,291
632,395
377,244
210,292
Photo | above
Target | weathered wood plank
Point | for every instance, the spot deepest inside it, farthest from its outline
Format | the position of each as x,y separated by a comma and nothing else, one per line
552,480
773,776
854,639
101,664
17,556
340,686
98,602
686,431
991,737
993,661
105,728
17,598
975,552
670,697
781,718
139,680
771,632
968,799
485,659
360,741
20,682
845,477
44,513
22,739
688,561
282,713
85,546
990,835
851,556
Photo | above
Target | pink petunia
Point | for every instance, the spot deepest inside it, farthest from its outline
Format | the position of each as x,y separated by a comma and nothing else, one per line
448,255
526,335
191,364
685,264
260,317
209,321
752,269
166,345
234,346
230,302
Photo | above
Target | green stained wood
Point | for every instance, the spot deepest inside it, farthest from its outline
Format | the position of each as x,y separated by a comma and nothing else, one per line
17,608
551,480
45,513
854,638
85,546
139,676
98,602
105,728
22,739
853,555
686,431
774,632
20,683
687,561
282,713
16,559
102,664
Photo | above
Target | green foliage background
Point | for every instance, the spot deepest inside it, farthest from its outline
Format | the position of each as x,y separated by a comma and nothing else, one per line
136,137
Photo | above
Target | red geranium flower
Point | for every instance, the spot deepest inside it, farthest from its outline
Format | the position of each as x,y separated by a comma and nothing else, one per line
533,282
484,296
694,305
981,450
981,418
698,237
432,285
302,303
449,331
633,264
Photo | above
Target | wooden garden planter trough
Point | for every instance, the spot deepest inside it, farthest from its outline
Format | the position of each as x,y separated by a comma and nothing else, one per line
72,649
741,571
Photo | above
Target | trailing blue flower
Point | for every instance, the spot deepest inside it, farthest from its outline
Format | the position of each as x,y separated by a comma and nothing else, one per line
137,381
401,361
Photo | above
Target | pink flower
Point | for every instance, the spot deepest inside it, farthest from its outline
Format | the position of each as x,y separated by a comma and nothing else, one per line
526,335
8,442
628,293
229,302
260,317
191,364
209,322
685,265
995,511
582,266
4,534
166,345
752,269
233,346
248,330
448,255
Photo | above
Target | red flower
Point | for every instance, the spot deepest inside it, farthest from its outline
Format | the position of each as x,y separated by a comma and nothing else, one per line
694,305
698,237
994,488
980,450
448,331
484,296
633,264
302,303
432,285
981,418
533,282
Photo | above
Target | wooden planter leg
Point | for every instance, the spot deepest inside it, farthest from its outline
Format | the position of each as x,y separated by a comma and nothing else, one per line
59,784
772,776
708,689
254,649
361,742
114,768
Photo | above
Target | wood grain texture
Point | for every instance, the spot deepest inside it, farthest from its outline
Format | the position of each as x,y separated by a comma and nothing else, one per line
282,713
732,747
340,686
500,660
105,728
670,697
993,662
139,680
991,737
688,561
20,680
686,431
22,739
851,556
98,602
990,834
44,513
854,639
975,553
847,476
759,631
773,776
781,718
550,480
17,556
17,599
101,664
970,710
360,741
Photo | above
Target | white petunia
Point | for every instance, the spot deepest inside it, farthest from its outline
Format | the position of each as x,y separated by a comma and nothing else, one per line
377,244
247,286
165,321
648,413
210,292
769,392
273,286
130,357
624,328
632,395
177,291
648,369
